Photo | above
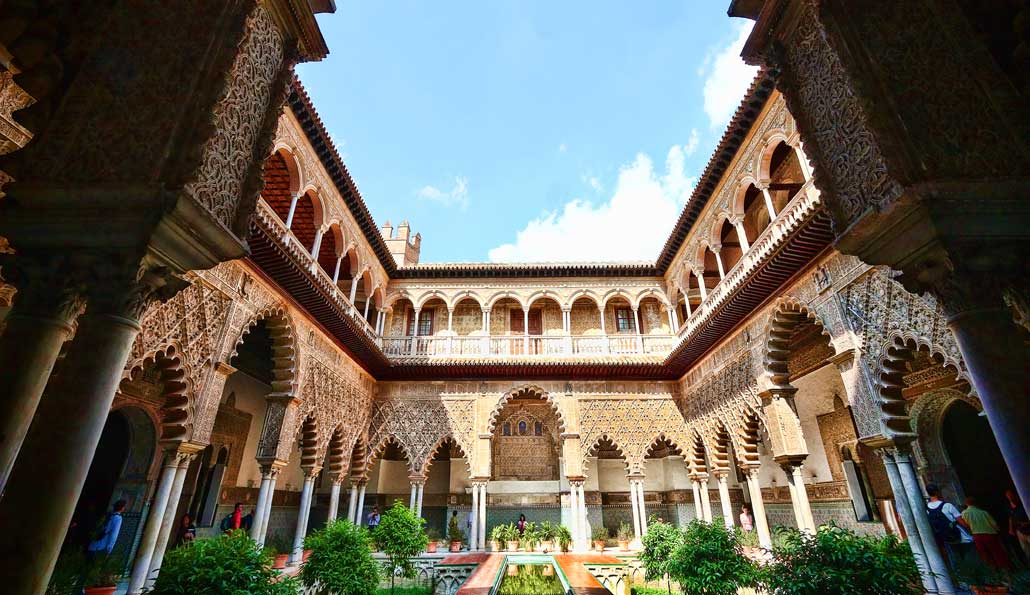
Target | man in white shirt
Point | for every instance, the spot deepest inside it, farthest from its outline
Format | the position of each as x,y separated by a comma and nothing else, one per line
952,538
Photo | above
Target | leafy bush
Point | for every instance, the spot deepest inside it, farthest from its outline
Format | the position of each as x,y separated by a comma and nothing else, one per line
225,565
530,536
73,572
836,560
647,591
708,561
746,538
624,532
433,534
400,536
547,531
277,543
505,533
600,534
340,562
660,541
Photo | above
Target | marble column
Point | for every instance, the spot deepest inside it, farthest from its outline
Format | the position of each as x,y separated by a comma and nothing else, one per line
37,507
581,519
573,515
641,507
259,527
482,516
169,522
804,507
907,520
145,550
695,486
361,504
418,498
706,498
474,533
334,499
34,332
758,508
352,505
917,502
724,498
634,503
266,515
302,516
413,498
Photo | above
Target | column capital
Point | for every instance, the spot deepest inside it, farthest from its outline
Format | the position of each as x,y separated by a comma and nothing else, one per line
311,472
271,468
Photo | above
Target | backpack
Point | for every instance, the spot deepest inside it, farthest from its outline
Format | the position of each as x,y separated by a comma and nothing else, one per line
942,526
226,522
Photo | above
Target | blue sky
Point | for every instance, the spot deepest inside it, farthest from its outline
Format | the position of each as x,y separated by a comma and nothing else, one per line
529,131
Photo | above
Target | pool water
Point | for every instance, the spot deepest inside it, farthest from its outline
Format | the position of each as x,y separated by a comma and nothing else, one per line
530,579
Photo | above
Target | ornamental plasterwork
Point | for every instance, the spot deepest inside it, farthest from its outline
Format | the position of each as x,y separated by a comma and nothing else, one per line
632,424
420,425
336,403
495,389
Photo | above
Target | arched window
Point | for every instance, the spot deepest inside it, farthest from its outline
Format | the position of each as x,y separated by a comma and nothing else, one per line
522,428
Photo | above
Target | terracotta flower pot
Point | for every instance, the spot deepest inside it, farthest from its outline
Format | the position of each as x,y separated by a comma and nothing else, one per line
280,561
101,590
599,545
624,546
512,546
455,546
431,547
546,546
495,546
305,555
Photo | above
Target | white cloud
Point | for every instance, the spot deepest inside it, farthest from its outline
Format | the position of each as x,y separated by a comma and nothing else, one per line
595,184
458,195
727,78
691,146
562,148
631,225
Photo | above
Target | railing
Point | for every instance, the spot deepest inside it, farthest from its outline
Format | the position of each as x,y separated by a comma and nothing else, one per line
533,346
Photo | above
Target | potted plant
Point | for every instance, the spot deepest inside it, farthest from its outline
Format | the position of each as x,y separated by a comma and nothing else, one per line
837,560
530,537
102,576
708,560
433,534
497,535
278,547
341,561
624,535
564,537
401,536
982,578
600,536
511,537
455,535
547,533
224,565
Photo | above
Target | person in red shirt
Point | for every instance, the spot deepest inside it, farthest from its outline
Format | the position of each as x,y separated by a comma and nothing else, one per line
234,520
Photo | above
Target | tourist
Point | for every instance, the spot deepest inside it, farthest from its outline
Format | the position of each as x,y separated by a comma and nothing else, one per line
985,534
521,525
952,538
747,522
468,521
373,519
233,520
106,535
187,531
247,521
1018,524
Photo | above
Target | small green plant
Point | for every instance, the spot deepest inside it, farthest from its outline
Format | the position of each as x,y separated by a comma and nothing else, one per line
624,532
454,532
507,532
660,541
73,572
548,531
277,543
564,537
401,537
433,534
531,536
836,560
340,562
498,534
225,565
746,538
600,533
708,561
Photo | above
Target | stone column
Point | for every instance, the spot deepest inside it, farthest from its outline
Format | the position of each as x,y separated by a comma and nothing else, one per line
738,224
353,291
914,494
907,520
768,203
474,530
604,331
418,501
641,507
636,329
36,328
317,245
69,421
361,504
717,250
336,271
706,498
169,522
145,550
266,513
482,515
414,332
574,514
412,499
635,505
525,330
368,302
302,516
724,498
293,209
701,285
803,504
334,499
758,508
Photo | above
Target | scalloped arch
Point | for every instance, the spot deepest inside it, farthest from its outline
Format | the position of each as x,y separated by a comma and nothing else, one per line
285,351
788,314
525,389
